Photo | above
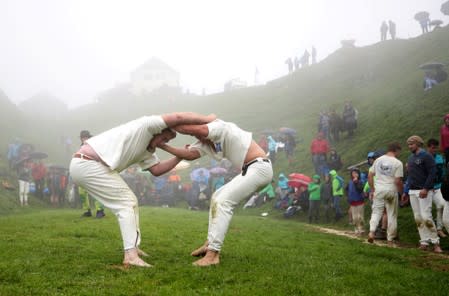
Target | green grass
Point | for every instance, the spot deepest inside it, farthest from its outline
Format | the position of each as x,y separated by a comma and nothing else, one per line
54,252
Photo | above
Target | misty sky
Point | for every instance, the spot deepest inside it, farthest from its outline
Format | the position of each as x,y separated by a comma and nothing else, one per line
76,49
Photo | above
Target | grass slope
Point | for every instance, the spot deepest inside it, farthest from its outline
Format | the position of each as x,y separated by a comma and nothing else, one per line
57,253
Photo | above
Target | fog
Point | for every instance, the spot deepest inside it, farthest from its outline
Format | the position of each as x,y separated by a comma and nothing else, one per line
76,49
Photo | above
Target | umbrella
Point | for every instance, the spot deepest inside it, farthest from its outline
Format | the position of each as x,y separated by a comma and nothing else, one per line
422,15
287,131
431,66
298,180
198,174
445,8
436,23
38,155
218,171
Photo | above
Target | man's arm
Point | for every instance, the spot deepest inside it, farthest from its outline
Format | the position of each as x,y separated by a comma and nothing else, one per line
193,130
164,166
399,184
371,180
182,153
180,118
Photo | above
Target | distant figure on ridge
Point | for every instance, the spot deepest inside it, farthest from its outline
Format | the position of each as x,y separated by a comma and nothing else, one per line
392,29
313,55
383,31
289,63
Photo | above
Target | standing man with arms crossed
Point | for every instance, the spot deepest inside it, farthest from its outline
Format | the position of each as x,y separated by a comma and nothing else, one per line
221,139
386,187
97,164
421,176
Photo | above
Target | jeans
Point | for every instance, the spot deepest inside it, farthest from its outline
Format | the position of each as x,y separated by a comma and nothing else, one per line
336,200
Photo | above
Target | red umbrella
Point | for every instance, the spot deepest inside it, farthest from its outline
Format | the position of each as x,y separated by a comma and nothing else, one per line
298,180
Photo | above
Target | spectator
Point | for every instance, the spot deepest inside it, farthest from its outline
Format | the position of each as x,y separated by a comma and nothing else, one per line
421,176
314,55
435,194
424,22
429,81
290,145
392,29
356,201
349,118
335,126
334,162
383,31
272,149
326,197
13,154
319,149
314,190
283,185
337,193
385,180
24,176
444,139
289,63
39,172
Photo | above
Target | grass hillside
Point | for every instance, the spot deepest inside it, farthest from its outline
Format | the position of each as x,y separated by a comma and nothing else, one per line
382,80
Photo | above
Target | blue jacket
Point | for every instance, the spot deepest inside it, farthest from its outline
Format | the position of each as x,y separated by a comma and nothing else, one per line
355,191
421,171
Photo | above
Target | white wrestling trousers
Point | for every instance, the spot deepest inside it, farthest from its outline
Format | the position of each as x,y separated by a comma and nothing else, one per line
438,201
111,190
422,211
24,189
225,199
389,201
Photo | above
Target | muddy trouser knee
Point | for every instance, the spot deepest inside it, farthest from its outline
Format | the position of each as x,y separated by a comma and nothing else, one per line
389,201
227,197
438,201
422,211
110,189
446,215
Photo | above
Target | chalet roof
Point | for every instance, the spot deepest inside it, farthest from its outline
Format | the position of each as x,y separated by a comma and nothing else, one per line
155,64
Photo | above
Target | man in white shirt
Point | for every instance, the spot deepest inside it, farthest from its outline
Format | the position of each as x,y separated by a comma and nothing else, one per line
385,180
96,167
220,139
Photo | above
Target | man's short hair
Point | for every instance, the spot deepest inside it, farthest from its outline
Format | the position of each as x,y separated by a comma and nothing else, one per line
394,147
432,142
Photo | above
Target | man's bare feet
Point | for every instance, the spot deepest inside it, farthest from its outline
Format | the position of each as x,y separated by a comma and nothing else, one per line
437,249
211,258
141,253
132,258
371,237
441,233
201,251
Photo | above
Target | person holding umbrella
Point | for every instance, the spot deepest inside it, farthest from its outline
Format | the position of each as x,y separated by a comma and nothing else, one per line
224,140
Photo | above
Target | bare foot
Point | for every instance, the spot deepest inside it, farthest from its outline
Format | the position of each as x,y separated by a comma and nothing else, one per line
132,258
371,237
201,251
141,253
437,249
441,233
211,258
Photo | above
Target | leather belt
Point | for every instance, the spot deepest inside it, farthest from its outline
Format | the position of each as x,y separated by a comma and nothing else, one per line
246,166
